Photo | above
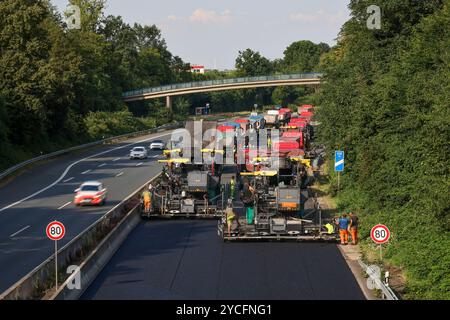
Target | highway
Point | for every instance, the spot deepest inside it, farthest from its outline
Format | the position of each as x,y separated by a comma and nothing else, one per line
179,259
176,259
45,193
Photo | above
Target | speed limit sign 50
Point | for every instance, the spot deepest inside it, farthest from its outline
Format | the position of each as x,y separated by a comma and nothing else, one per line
55,230
380,234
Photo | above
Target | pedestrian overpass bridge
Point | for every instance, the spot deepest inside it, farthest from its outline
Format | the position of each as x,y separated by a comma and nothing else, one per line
222,84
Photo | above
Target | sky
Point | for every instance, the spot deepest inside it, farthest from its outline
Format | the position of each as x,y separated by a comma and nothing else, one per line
212,32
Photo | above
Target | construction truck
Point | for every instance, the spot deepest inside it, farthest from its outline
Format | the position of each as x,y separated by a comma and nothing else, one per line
188,185
279,182
271,119
278,213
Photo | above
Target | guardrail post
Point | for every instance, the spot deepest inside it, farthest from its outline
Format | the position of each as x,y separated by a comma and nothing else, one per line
169,103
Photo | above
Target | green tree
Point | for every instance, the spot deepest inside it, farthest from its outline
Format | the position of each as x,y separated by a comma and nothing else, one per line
385,102
303,56
250,63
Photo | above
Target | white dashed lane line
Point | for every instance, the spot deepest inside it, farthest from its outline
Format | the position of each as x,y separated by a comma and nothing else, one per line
119,174
139,164
102,165
16,233
61,177
67,180
65,205
87,171
116,159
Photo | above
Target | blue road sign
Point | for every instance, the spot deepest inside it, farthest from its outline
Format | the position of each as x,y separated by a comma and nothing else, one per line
339,161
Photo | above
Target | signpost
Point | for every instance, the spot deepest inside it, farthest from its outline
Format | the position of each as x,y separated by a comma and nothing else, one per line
55,231
380,234
338,163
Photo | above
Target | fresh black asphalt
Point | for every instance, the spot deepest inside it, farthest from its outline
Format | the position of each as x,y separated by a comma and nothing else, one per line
182,259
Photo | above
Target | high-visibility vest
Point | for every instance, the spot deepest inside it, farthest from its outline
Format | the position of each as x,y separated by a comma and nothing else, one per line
330,228
230,214
146,196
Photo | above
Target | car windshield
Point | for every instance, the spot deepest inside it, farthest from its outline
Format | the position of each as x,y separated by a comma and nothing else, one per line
90,188
158,141
139,149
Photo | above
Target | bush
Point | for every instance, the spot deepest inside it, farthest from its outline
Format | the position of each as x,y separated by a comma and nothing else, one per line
102,124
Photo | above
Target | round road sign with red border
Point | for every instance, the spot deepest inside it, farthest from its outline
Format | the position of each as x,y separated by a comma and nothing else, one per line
380,234
55,230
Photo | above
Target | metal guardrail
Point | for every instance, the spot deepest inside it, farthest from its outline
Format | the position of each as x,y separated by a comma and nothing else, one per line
23,164
196,84
386,291
36,282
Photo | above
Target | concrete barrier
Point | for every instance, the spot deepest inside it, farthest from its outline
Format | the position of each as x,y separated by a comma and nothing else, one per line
37,283
99,257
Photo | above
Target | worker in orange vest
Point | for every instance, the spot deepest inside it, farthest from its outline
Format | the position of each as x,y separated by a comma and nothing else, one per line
146,197
354,228
343,229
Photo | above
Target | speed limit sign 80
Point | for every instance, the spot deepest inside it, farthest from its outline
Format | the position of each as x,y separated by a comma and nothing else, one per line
380,234
55,230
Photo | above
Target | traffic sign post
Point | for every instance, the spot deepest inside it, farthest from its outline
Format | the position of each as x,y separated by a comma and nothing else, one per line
55,231
338,164
380,234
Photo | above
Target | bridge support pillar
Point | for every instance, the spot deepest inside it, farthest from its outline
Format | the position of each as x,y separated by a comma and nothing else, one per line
169,102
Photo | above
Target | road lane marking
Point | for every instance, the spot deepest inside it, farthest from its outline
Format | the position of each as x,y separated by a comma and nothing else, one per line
75,163
67,180
117,159
16,233
87,171
119,174
139,164
156,156
65,205
102,165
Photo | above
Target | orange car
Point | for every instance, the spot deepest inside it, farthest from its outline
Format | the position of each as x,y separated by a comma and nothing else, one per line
90,192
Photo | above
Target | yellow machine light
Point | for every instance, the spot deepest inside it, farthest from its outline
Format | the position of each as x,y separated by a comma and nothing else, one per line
260,159
264,173
177,160
212,150
168,151
306,162
268,173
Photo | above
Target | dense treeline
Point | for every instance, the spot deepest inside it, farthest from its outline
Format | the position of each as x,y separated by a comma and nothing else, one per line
386,102
61,86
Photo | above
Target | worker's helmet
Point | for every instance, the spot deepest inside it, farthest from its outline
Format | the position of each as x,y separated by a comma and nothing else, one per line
230,202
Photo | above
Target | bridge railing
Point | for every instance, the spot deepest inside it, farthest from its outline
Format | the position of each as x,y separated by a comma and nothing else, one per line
207,83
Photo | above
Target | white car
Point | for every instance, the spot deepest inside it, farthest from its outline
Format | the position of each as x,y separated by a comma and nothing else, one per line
90,192
138,153
157,144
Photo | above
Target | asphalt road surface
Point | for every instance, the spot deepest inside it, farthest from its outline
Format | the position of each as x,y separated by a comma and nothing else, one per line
45,193
182,259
